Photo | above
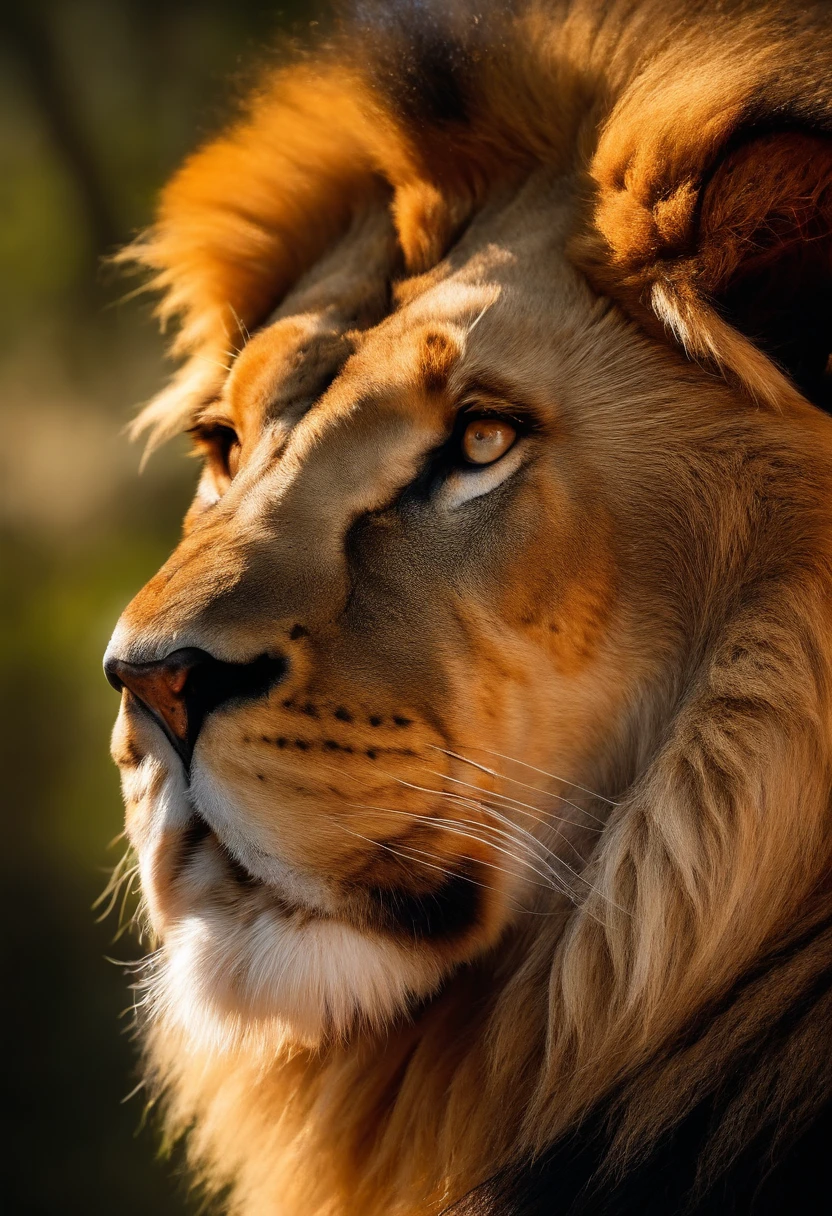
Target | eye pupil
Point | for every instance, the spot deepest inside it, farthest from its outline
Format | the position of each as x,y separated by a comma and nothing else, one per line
487,439
226,448
232,457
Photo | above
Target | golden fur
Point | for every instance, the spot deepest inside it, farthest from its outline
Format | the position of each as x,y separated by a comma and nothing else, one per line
593,685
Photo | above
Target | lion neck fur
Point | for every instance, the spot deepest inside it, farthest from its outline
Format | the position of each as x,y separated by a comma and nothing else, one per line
712,855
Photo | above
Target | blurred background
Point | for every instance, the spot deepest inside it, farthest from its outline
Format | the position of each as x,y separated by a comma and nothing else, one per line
99,100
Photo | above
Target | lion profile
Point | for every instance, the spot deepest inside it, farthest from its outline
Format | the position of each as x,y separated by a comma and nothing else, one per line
476,739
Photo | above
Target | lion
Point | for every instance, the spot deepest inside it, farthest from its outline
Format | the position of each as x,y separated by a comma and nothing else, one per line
476,739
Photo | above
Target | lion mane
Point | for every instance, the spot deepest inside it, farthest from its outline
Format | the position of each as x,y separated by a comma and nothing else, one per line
655,1039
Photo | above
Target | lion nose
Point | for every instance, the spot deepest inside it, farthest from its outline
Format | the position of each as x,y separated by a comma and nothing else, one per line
187,685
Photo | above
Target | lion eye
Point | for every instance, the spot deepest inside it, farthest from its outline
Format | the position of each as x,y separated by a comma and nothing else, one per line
487,439
232,455
220,445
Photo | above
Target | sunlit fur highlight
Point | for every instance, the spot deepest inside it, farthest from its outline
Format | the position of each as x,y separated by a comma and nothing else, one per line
715,846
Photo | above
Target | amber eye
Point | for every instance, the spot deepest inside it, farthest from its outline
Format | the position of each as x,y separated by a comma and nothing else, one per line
232,454
224,448
487,439
219,446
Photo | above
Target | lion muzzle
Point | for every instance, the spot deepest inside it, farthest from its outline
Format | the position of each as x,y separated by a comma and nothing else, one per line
180,690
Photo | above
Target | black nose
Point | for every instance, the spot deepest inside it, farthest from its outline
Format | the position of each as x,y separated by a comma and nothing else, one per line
183,688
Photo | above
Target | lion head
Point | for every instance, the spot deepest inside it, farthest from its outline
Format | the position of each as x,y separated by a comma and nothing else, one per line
475,737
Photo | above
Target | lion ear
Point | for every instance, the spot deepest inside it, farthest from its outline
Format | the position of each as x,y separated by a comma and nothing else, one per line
722,235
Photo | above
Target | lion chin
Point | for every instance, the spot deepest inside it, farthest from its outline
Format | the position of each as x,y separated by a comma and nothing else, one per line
253,957
280,981
476,738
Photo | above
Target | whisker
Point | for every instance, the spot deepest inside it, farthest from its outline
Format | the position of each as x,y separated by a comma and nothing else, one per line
524,808
563,780
482,313
488,809
135,1090
532,843
578,875
215,362
492,865
129,891
240,323
454,827
560,860
121,878
524,784
381,844
134,964
422,853
447,824
529,807
515,828
552,879
491,793
488,886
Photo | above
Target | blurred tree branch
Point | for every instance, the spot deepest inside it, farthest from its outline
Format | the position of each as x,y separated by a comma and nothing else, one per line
29,40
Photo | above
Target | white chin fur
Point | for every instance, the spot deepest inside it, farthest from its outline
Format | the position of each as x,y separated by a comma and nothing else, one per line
274,981
233,974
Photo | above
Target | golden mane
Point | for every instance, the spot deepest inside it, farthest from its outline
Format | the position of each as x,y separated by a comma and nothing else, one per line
555,85
699,136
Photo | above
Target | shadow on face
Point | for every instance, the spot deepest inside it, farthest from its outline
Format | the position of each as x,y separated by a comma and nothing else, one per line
395,614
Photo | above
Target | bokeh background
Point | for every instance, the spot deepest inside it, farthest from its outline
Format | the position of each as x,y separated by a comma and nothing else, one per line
99,100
